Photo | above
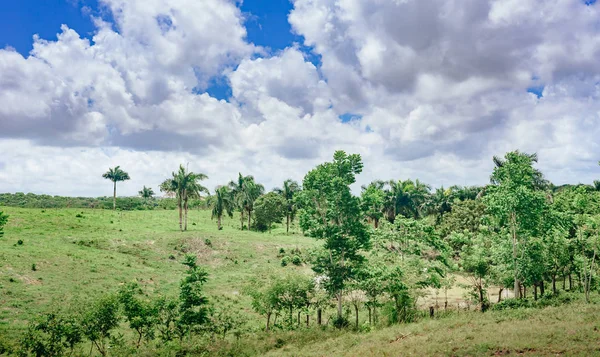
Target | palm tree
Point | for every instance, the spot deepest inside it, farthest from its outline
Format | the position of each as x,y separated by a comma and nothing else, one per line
146,193
419,194
246,191
597,185
222,202
439,203
184,184
290,188
115,175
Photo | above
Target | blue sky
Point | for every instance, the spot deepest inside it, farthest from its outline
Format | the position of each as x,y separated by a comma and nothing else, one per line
266,24
266,21
417,93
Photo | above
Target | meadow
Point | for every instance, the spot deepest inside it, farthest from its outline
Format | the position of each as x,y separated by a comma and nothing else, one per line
60,259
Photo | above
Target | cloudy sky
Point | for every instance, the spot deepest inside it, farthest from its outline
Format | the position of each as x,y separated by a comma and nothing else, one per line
427,89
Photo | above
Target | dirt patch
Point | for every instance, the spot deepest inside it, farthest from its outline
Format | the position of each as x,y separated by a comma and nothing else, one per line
29,280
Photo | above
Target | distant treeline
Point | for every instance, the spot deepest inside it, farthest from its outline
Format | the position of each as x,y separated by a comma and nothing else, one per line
31,200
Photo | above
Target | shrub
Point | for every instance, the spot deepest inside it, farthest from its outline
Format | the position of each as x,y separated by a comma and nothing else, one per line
33,267
296,260
51,336
20,242
285,261
208,242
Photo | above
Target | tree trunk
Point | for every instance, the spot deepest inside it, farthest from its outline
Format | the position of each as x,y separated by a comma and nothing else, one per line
287,224
542,288
185,209
514,238
319,316
339,304
500,294
114,195
307,320
554,284
370,316
535,295
180,206
356,312
242,219
570,282
249,217
299,312
524,292
219,227
268,321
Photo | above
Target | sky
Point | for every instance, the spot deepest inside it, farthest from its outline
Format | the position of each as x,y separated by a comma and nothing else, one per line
427,89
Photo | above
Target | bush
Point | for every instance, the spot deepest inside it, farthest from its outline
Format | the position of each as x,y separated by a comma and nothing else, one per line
296,260
285,261
208,242
51,336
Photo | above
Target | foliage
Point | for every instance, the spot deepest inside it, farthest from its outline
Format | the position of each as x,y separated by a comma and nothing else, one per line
330,212
147,193
192,302
3,221
115,175
100,321
185,185
52,335
31,200
140,314
245,191
372,201
289,190
268,209
222,202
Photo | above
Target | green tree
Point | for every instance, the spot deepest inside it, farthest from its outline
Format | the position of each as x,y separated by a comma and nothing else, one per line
288,191
193,304
477,263
146,193
140,314
51,335
439,203
185,185
517,203
3,221
268,209
330,212
115,175
246,190
222,203
372,202
100,321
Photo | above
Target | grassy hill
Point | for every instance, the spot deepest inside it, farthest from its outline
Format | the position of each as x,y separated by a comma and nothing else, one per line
60,258
81,253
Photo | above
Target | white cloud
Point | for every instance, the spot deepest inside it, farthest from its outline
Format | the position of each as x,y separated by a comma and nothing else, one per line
439,87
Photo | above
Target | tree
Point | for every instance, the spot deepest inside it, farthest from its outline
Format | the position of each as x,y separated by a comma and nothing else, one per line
185,185
331,213
99,322
477,262
288,191
193,304
141,315
517,203
439,203
51,336
3,221
146,193
115,175
222,202
268,209
372,202
246,191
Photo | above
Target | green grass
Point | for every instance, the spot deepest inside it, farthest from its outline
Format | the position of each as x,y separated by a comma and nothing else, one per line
81,257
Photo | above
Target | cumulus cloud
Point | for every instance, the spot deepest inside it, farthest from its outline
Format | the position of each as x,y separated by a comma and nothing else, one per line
436,87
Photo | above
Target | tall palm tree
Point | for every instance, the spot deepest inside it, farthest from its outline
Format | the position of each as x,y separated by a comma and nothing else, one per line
185,185
115,175
419,194
246,191
288,191
222,202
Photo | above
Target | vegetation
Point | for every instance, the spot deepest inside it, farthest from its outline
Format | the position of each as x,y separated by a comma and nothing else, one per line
115,175
184,185
362,276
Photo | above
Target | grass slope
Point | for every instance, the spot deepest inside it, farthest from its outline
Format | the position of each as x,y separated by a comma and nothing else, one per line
85,253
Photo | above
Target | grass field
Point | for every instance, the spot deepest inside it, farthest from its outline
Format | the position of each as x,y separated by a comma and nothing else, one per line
83,253
69,256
